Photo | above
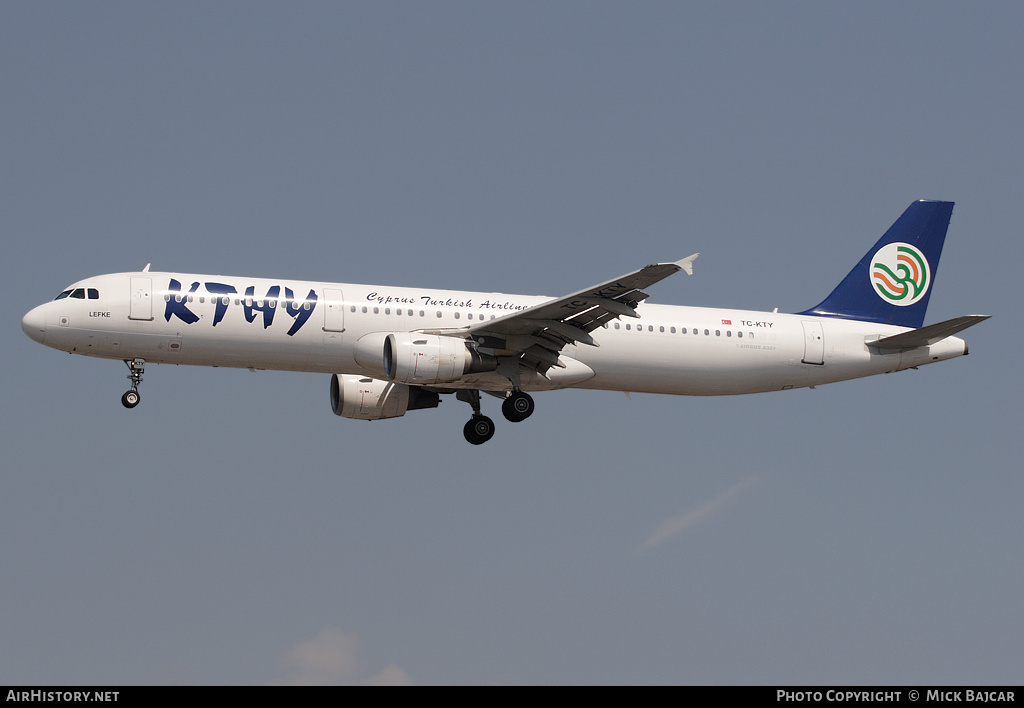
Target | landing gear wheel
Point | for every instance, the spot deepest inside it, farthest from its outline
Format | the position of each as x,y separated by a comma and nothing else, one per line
517,407
478,430
136,367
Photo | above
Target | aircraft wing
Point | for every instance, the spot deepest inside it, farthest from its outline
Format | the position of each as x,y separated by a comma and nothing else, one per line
537,334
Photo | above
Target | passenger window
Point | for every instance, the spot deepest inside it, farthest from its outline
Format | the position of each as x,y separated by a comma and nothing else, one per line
718,333
707,333
728,333
627,326
364,309
740,335
352,308
456,315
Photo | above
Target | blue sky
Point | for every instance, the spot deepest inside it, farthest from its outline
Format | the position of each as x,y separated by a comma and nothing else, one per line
231,530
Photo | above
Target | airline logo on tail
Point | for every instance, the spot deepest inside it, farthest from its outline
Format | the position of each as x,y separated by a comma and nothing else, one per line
900,274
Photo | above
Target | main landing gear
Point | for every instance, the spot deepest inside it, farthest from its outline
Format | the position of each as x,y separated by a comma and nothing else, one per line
480,428
137,367
516,407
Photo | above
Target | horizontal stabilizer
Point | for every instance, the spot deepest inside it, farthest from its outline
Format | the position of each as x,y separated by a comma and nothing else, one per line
924,336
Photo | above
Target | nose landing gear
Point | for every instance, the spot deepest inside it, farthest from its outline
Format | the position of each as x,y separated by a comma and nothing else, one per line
137,367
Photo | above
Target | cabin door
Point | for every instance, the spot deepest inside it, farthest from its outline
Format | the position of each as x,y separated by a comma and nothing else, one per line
814,343
334,311
141,303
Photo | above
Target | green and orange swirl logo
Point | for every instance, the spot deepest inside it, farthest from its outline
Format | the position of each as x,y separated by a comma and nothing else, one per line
900,274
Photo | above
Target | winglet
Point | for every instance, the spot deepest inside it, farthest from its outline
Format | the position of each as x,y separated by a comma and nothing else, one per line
687,263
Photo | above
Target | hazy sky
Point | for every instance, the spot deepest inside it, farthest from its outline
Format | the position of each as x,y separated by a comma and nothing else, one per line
232,530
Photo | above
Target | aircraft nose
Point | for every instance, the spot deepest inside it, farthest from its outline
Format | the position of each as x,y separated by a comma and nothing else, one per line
34,324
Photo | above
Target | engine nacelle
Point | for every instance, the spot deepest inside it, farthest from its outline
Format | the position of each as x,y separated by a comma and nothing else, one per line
365,398
414,358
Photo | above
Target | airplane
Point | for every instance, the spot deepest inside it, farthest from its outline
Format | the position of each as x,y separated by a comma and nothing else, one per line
390,350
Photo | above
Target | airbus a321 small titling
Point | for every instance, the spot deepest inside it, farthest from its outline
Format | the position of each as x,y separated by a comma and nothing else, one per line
390,350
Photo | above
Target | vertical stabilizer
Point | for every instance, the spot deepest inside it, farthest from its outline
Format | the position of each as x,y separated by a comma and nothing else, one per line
893,281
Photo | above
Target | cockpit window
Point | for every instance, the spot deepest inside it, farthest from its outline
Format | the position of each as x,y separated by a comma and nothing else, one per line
80,294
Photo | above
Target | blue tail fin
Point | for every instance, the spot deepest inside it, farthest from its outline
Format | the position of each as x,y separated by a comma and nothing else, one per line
894,280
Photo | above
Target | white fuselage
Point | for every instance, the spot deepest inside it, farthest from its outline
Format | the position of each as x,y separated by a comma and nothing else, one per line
316,327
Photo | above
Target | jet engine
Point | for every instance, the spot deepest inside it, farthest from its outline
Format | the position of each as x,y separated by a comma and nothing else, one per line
414,358
365,398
